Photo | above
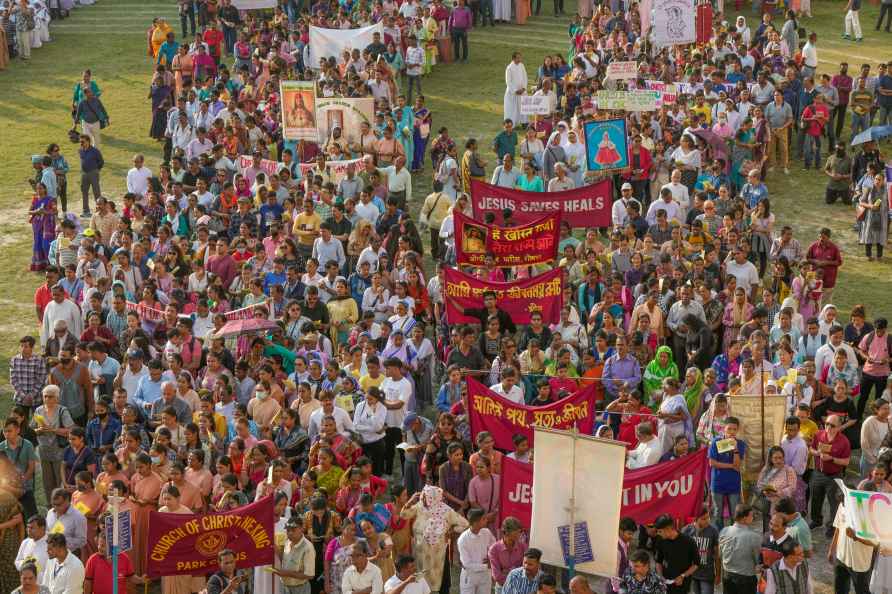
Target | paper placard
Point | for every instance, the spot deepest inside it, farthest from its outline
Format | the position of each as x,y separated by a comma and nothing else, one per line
622,70
534,105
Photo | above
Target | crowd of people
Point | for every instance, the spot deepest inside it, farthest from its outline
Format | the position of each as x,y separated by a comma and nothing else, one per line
346,400
25,25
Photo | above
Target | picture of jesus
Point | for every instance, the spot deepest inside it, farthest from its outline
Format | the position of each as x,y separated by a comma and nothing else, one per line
298,114
474,239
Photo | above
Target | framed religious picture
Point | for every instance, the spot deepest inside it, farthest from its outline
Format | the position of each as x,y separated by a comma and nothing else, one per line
607,145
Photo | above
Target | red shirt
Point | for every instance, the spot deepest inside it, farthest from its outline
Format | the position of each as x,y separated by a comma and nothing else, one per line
42,296
839,448
828,252
213,38
821,113
99,571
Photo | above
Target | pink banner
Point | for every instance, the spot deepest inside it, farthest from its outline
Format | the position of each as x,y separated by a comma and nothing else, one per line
504,419
543,293
588,206
674,487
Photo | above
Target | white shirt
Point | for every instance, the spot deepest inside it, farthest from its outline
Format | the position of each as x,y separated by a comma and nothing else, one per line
419,586
64,578
196,147
368,211
810,55
74,526
354,580
645,454
397,391
680,195
414,56
824,356
473,549
369,423
746,274
130,381
138,180
515,394
343,422
673,211
33,550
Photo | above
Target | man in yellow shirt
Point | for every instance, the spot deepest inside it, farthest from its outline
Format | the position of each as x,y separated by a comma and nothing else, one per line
373,377
306,228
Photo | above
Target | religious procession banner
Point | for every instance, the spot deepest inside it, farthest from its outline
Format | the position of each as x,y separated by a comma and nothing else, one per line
748,408
634,100
153,314
869,514
674,487
186,544
346,114
337,169
569,496
526,245
519,298
504,419
331,43
588,206
268,166
298,99
674,22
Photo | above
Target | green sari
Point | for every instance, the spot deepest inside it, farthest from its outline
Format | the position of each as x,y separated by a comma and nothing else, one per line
692,394
654,374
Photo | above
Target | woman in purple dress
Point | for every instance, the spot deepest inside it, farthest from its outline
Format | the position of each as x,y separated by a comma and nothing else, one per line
421,133
43,226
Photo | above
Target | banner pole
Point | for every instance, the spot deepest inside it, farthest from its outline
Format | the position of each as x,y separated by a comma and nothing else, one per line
115,543
571,558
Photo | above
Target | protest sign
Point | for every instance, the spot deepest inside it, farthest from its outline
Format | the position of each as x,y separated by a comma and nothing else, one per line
254,4
673,22
346,114
503,419
635,100
748,408
868,513
622,70
337,169
188,544
668,92
519,298
534,105
526,245
298,109
562,471
675,486
588,206
267,166
331,43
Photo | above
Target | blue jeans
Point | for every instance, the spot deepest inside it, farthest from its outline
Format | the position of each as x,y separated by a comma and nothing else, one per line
703,586
811,151
718,501
860,122
885,112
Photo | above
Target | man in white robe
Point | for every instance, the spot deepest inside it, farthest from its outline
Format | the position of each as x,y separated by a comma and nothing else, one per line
515,87
60,308
502,11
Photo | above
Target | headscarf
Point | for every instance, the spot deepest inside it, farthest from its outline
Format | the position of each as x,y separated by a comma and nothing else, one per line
654,374
437,515
707,421
692,393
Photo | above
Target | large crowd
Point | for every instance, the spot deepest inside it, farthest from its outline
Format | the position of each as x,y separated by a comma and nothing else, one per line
222,333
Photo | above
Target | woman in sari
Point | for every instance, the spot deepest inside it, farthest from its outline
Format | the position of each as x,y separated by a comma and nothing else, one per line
472,166
404,125
181,65
693,390
90,503
144,495
111,471
736,315
157,35
43,226
440,148
12,527
742,150
400,528
160,94
177,584
674,417
328,474
380,548
662,367
712,423
421,134
337,557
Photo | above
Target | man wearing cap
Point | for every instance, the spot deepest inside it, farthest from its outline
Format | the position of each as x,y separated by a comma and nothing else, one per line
620,213
417,432
60,309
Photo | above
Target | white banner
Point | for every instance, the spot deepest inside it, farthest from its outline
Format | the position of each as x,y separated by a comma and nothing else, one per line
622,70
254,4
346,114
327,43
598,497
869,514
674,22
534,105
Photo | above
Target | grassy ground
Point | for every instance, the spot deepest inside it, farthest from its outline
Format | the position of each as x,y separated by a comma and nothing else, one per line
109,38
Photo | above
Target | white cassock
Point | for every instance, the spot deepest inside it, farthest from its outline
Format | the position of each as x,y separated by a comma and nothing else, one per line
515,80
68,311
501,10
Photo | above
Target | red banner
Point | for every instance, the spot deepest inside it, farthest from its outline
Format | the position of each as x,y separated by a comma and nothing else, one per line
504,419
588,206
188,544
518,298
526,245
674,487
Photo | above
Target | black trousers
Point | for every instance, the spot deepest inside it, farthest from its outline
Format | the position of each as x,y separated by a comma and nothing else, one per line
29,504
375,452
392,437
844,577
885,11
823,485
733,583
188,16
870,382
459,39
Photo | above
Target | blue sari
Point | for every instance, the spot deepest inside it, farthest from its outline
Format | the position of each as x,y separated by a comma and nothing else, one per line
405,124
422,116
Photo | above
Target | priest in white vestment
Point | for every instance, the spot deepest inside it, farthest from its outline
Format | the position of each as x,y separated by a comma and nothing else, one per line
515,88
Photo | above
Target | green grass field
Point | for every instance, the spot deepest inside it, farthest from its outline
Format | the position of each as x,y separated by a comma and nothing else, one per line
109,38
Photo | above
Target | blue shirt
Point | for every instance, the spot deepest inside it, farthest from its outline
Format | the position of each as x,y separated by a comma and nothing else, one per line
517,582
98,436
725,480
147,392
91,159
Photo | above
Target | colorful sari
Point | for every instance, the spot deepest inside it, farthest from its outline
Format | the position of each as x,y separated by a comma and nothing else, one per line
692,394
654,373
420,135
43,227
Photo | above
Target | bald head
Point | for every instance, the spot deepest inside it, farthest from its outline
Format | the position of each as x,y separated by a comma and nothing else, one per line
579,585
